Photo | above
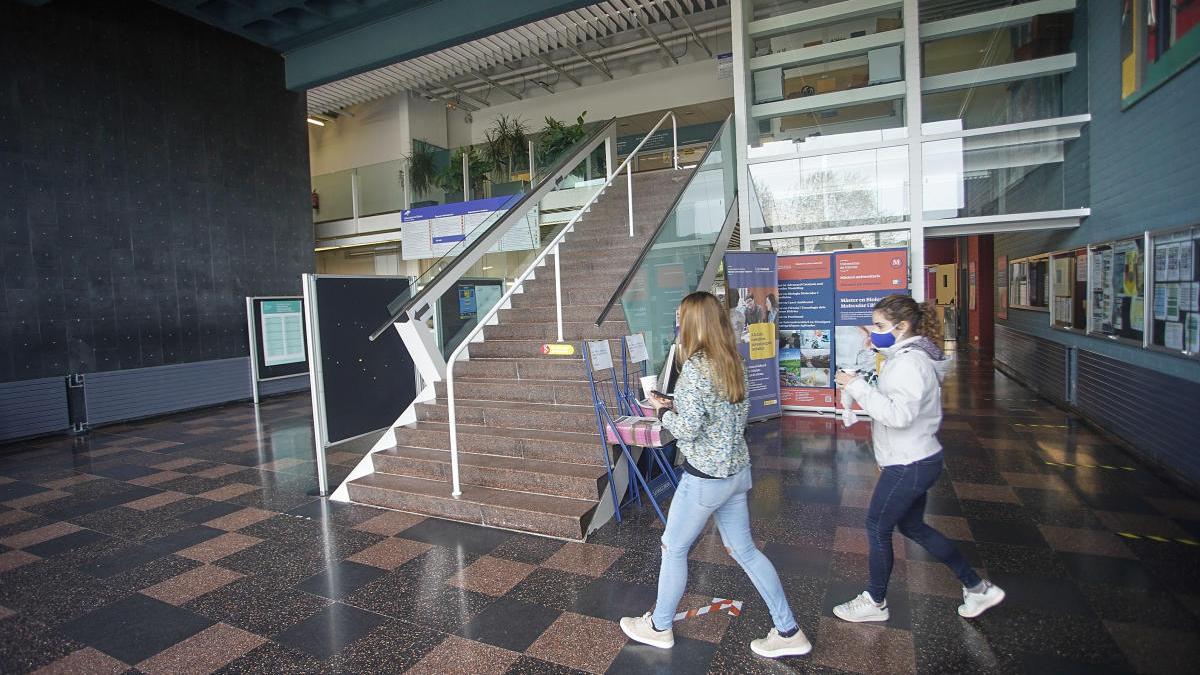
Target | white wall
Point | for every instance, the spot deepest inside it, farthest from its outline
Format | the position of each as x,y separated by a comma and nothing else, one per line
645,86
373,132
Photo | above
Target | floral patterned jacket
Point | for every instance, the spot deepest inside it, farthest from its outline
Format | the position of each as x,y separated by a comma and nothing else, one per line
710,430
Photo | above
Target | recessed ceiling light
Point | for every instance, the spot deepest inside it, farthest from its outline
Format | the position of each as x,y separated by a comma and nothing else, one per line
315,122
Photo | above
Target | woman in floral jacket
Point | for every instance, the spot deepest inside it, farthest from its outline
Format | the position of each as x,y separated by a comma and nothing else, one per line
708,419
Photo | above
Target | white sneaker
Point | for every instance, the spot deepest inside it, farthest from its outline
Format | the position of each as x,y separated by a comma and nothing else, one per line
641,629
774,645
975,604
862,608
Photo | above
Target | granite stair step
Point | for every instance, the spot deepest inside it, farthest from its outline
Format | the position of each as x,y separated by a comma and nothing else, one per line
521,369
533,444
588,295
573,331
547,515
527,391
513,415
528,349
581,313
560,479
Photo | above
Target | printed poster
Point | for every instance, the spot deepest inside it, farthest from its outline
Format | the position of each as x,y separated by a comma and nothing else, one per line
282,332
826,302
752,297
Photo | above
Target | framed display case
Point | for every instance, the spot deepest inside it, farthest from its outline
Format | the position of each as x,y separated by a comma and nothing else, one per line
1068,289
1117,290
1028,283
1175,291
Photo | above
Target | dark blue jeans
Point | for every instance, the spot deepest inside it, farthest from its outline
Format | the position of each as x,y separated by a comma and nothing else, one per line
899,502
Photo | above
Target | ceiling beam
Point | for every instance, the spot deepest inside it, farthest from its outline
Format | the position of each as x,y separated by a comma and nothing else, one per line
464,94
426,29
502,87
594,63
654,36
558,69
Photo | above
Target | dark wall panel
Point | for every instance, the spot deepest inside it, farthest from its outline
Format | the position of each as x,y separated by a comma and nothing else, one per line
154,173
1039,364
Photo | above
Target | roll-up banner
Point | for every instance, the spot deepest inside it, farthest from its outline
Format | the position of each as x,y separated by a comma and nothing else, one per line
752,296
826,301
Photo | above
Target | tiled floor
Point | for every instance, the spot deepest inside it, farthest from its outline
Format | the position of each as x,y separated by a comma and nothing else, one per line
192,544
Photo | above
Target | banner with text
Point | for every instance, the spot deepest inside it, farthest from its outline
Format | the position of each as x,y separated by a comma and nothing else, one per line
825,305
752,296
433,231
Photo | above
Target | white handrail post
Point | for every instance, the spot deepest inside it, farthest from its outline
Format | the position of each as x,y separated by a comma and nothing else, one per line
457,490
674,142
558,288
629,186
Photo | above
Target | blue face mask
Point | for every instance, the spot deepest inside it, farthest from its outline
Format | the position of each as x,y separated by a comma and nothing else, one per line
883,340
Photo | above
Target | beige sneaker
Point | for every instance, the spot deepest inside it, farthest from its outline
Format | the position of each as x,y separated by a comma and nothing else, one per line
641,629
775,646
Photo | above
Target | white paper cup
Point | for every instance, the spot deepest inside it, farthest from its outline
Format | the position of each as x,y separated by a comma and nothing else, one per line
649,383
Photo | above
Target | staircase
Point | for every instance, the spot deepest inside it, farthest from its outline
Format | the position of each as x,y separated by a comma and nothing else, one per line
529,456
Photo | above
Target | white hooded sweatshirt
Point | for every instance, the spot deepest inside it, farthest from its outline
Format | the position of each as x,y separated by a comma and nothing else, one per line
906,406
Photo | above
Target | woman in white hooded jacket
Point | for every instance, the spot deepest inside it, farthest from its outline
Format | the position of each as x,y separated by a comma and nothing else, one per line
906,411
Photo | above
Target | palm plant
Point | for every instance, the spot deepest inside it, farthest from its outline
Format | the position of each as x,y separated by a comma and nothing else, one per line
507,143
558,137
422,167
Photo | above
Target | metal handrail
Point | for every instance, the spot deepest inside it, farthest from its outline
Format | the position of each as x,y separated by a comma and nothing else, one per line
641,257
476,249
520,280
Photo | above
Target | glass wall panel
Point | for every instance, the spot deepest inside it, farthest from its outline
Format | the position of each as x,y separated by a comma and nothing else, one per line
936,10
1117,279
334,196
835,190
850,120
1045,35
1036,98
381,188
963,181
834,242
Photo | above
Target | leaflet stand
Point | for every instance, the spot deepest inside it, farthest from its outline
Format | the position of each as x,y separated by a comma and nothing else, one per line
635,362
606,397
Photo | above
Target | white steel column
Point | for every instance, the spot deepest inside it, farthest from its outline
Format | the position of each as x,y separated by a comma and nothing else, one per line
916,169
741,12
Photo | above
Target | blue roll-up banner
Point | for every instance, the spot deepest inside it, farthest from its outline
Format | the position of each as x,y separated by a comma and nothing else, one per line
752,297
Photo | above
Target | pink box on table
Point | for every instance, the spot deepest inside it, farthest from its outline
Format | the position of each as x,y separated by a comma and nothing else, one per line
646,432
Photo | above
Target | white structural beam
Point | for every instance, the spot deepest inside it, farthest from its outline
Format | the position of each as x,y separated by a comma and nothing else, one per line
837,99
1007,72
828,52
916,165
817,16
1008,222
996,18
558,69
502,87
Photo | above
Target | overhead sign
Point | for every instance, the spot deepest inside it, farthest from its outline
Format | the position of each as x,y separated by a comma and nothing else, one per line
433,231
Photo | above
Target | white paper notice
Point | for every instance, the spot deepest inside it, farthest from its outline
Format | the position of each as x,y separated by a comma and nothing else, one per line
1190,302
1187,261
282,332
601,355
1160,263
1173,335
1160,302
1172,302
1193,333
636,344
1172,273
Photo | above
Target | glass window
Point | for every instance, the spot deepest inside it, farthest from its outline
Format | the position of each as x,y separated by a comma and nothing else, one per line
1176,294
995,179
1044,35
937,10
834,242
1036,98
1118,299
835,190
1158,40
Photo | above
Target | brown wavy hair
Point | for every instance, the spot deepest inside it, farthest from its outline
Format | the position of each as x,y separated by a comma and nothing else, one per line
922,318
704,327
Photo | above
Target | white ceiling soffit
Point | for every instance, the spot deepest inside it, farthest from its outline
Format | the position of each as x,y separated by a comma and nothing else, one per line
503,61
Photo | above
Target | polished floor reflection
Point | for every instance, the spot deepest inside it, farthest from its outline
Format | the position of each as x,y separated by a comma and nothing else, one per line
193,544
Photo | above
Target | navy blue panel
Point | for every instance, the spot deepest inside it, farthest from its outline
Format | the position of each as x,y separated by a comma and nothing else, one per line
33,407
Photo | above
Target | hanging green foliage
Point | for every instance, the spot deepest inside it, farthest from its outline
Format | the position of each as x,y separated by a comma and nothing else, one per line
507,145
558,137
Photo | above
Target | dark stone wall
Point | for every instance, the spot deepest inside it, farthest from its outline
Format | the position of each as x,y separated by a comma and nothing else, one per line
153,173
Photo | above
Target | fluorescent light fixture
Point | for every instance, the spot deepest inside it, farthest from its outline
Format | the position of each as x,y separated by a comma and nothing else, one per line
488,267
315,122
